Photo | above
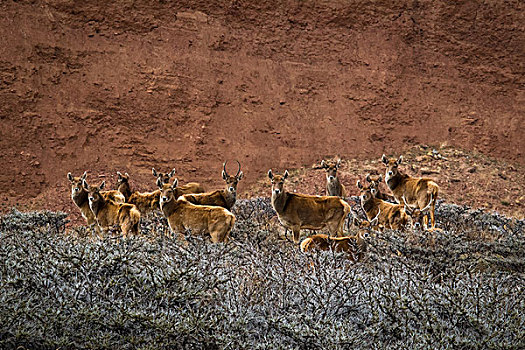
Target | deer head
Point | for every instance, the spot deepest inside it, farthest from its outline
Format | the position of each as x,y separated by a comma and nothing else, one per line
167,191
76,183
331,169
391,166
366,193
277,182
94,196
232,181
122,179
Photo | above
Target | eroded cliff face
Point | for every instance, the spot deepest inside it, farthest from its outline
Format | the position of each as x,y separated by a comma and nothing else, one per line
126,85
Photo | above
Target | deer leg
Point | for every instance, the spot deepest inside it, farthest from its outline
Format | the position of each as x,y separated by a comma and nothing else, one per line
296,231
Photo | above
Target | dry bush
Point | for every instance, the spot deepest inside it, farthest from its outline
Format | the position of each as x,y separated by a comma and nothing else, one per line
450,289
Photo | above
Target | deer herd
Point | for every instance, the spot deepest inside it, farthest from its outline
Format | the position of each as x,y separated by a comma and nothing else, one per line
190,207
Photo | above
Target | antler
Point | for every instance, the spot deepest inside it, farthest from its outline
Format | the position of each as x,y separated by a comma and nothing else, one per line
429,202
238,170
407,207
224,168
375,219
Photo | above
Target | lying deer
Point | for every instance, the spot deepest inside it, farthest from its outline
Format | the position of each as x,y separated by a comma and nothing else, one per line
333,185
354,246
183,215
222,198
80,197
389,215
109,213
418,192
300,211
418,215
375,181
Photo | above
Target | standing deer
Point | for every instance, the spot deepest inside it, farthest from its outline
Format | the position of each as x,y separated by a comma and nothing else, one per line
80,197
183,215
418,192
333,185
223,198
300,211
390,215
109,213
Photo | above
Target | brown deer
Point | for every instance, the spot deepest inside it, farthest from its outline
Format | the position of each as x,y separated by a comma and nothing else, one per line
182,215
417,191
109,213
354,246
300,211
222,198
389,215
190,187
333,185
80,197
375,181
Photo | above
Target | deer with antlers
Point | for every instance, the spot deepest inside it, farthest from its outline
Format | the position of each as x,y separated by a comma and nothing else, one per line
300,211
389,215
109,213
222,198
414,191
333,185
80,197
183,215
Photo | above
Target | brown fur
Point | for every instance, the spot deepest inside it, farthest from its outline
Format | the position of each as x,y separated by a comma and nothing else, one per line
418,192
109,213
333,185
301,211
354,246
80,197
375,182
190,187
182,215
222,198
389,215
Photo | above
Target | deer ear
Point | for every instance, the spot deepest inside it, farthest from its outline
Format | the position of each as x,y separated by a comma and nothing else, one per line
285,174
384,159
159,183
368,178
84,175
119,175
399,160
172,173
102,185
380,178
239,177
70,177
338,163
154,172
127,175
359,185
223,175
323,164
175,183
85,184
270,174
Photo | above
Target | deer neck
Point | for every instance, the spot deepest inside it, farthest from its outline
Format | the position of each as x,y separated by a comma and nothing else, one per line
81,198
125,190
333,184
98,206
229,198
370,207
169,207
395,181
279,201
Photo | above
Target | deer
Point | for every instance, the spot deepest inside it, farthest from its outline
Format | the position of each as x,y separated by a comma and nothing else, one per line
301,211
416,191
190,187
109,213
222,198
354,246
392,216
80,197
183,215
333,185
147,202
375,181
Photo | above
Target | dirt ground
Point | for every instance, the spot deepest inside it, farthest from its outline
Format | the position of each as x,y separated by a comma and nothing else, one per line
108,86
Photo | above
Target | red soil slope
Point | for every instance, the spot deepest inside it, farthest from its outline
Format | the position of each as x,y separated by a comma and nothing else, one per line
118,85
